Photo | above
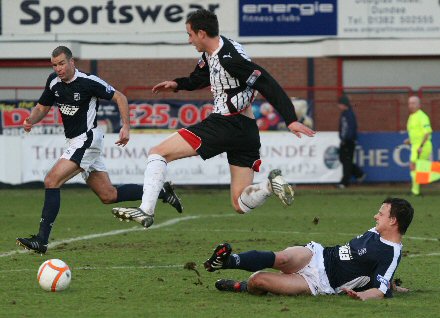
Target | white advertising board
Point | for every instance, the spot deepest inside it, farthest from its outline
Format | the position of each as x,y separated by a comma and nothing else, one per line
305,160
389,19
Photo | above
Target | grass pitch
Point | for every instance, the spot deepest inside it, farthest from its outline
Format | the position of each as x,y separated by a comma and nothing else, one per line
150,273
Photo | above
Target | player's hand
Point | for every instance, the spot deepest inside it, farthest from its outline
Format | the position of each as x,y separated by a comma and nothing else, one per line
297,128
27,126
164,86
419,151
406,142
124,136
352,294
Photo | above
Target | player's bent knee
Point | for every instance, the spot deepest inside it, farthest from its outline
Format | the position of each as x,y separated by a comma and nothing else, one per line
282,260
257,283
108,197
154,151
50,183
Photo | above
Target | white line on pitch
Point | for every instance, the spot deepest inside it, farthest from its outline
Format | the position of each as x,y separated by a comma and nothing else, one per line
420,255
299,232
115,232
150,266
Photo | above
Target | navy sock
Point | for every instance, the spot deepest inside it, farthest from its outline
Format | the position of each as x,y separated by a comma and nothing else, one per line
251,261
129,192
132,192
49,214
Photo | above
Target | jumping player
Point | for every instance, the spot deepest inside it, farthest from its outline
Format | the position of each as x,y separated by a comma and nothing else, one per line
230,128
77,96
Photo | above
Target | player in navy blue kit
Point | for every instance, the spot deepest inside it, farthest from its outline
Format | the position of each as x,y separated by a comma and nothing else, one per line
363,268
230,128
77,96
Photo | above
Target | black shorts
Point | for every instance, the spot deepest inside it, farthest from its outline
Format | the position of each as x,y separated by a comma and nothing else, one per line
237,135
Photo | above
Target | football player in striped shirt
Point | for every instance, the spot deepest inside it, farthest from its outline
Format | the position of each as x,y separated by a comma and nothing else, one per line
230,128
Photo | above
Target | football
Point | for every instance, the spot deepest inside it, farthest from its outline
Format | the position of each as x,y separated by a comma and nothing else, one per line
54,275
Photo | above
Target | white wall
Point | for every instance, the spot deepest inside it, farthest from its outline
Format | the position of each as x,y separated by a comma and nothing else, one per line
23,76
391,72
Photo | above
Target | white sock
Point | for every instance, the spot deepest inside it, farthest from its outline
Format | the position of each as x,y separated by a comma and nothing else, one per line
254,195
154,178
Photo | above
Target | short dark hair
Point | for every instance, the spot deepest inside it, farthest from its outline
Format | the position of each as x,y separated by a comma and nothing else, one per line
402,211
203,20
62,49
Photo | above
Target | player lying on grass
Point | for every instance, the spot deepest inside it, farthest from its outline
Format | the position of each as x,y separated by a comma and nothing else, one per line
363,268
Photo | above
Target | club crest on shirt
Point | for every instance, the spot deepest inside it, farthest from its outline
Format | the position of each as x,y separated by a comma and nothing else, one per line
201,63
76,96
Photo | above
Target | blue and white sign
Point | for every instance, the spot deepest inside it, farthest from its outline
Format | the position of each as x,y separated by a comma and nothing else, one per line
385,158
287,18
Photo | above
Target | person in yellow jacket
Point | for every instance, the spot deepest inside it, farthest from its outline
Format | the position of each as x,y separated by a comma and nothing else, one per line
419,132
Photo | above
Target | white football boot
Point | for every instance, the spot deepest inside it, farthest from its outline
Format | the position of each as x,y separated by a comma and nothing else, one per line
280,187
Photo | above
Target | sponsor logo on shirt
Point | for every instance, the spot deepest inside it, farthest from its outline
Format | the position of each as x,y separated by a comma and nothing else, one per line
68,110
345,253
76,96
56,94
227,55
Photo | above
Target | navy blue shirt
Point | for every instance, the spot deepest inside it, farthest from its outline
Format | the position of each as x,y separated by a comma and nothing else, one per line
367,261
77,100
348,125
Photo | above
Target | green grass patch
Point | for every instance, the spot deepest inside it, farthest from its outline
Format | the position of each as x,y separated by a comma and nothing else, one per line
141,273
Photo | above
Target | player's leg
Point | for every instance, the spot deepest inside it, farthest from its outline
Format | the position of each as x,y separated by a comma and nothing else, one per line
100,183
62,171
173,148
288,261
292,259
244,195
261,283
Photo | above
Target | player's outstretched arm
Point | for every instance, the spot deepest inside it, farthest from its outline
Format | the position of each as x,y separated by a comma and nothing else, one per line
124,133
297,128
372,293
169,86
37,114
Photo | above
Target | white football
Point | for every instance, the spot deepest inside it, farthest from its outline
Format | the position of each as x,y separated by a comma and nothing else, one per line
54,275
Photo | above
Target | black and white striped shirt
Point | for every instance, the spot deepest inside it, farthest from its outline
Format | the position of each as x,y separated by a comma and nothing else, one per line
77,100
234,80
